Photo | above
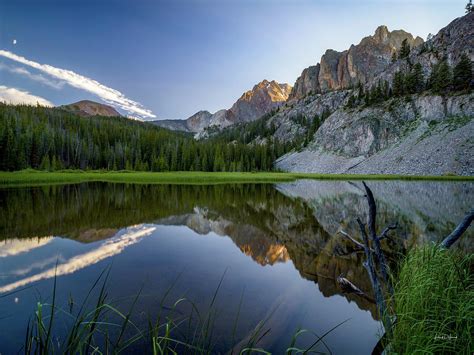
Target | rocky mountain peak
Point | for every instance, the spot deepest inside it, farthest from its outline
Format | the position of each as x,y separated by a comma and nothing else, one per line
261,99
275,91
360,63
264,96
91,108
381,34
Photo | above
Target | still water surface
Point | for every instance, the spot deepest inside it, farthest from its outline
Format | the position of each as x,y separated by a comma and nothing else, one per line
278,245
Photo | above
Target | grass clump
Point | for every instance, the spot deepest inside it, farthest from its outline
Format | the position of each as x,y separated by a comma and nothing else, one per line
434,298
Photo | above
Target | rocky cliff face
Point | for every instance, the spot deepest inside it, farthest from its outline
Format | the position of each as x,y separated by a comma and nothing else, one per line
91,108
376,128
428,135
285,120
264,97
360,63
418,134
307,83
452,40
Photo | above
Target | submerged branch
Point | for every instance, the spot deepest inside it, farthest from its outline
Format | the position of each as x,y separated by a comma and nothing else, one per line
348,287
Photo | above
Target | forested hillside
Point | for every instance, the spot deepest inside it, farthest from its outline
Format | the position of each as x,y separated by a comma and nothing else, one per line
54,139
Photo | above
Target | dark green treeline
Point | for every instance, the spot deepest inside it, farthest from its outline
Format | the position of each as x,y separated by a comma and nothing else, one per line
54,139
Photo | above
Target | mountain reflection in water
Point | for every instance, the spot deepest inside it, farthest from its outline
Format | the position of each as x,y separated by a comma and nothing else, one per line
293,222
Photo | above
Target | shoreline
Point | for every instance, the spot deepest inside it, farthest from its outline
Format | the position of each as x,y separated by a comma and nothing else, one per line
38,178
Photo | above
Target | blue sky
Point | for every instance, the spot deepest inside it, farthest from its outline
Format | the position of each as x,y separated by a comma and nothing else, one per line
170,59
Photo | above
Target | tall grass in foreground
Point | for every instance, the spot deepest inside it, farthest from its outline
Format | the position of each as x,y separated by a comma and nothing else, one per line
434,298
99,327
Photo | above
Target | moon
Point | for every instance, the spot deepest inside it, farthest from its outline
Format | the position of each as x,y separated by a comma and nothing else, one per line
14,41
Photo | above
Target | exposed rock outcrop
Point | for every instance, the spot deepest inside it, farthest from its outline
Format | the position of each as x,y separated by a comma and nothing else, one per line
449,43
428,135
287,126
307,83
360,63
452,41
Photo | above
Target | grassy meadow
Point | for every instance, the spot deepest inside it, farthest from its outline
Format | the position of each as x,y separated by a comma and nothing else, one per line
34,177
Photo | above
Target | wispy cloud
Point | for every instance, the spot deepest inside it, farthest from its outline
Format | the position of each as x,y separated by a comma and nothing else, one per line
15,96
111,96
36,77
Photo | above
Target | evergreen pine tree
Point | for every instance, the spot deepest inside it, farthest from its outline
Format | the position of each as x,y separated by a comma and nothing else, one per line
415,81
398,84
45,163
462,74
404,49
440,79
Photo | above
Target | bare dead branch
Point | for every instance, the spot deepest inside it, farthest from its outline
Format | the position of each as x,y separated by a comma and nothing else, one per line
379,255
459,230
372,211
384,233
369,264
357,244
370,267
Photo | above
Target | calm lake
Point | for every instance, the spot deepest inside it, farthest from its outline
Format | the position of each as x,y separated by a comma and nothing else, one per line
276,248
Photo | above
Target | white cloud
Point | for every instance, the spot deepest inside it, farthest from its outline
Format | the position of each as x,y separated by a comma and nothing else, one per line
15,96
111,96
36,77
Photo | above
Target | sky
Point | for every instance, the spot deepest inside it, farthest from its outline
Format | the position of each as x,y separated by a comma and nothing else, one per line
166,59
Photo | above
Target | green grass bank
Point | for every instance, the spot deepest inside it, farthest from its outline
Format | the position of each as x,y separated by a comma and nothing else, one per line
434,303
33,177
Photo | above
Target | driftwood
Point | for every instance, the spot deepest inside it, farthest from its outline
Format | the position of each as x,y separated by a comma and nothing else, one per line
458,231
